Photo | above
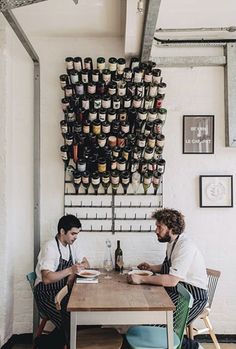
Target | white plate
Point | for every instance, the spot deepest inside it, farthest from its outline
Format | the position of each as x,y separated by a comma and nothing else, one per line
89,273
140,272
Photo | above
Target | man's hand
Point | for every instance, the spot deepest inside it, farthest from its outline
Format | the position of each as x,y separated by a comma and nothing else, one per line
144,266
134,279
76,268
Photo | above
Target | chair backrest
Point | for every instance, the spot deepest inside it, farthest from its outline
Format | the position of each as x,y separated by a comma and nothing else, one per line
213,277
31,277
60,295
184,303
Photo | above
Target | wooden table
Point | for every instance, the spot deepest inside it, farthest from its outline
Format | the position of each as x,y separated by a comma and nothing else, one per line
115,302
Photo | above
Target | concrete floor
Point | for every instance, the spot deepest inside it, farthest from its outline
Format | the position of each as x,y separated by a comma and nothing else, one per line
204,345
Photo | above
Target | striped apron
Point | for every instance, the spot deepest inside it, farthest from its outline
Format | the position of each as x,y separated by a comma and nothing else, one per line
199,295
45,295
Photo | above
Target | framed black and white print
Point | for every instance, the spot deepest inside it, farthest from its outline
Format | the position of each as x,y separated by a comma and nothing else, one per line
216,191
198,134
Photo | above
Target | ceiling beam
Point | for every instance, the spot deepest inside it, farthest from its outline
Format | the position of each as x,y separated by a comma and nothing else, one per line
152,12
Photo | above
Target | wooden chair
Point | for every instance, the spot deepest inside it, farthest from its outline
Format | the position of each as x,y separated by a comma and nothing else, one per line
213,277
146,337
93,338
31,277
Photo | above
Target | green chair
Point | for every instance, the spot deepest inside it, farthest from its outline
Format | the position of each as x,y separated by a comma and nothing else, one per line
31,277
150,337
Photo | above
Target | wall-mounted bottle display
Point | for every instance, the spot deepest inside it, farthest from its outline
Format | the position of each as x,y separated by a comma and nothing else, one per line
112,125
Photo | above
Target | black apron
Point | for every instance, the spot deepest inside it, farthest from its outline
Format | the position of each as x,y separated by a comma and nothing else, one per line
199,295
45,294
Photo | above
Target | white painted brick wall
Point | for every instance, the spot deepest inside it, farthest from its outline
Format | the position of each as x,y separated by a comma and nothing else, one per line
212,229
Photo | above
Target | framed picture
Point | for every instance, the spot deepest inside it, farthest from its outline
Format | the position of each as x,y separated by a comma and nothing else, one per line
216,191
198,134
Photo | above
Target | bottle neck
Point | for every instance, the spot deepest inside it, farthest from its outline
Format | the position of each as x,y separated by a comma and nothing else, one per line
118,244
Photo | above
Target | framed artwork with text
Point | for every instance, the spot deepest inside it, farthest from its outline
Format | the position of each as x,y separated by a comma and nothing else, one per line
198,134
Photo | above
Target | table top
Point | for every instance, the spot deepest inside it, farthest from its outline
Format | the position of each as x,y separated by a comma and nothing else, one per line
116,294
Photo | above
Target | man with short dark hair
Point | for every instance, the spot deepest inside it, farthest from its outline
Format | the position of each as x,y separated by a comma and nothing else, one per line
58,263
183,262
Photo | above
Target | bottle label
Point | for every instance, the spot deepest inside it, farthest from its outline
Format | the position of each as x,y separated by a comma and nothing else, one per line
68,92
86,129
102,142
97,103
152,117
114,180
116,104
77,180
85,104
113,165
92,116
161,168
64,155
101,66
148,156
125,128
160,143
96,129
85,180
157,79
79,89
112,66
141,143
161,90
95,77
111,117
64,129
112,91
102,167
102,117
106,78
106,103
153,91
74,78
69,65
105,180
91,89
156,180
138,77
121,91
148,77
127,103
125,181
95,181
81,167
151,142
85,78
121,166
137,103
78,66
106,129
69,141
147,180
142,116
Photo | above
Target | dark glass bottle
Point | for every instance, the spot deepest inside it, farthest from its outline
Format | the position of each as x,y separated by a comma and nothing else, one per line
156,181
76,181
106,181
125,180
118,252
88,63
85,181
95,180
115,180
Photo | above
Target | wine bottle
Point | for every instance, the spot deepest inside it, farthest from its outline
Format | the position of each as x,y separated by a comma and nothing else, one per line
118,252
156,181
147,180
85,181
95,180
106,181
125,180
115,180
76,181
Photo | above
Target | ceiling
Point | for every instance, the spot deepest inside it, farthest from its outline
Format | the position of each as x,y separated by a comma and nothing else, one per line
105,18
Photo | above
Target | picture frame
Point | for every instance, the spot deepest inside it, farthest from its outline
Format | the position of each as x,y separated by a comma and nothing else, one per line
216,191
198,134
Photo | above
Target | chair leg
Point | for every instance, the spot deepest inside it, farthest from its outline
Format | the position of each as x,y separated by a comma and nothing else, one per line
211,331
41,327
190,332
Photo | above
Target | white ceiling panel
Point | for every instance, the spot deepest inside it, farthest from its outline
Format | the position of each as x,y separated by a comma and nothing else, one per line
59,18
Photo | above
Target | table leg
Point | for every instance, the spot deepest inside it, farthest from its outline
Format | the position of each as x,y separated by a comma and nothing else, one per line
73,328
170,331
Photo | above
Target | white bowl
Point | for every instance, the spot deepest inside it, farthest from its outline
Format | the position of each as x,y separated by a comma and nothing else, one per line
89,273
140,272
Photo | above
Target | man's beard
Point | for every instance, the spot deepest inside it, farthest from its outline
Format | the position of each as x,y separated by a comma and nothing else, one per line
165,238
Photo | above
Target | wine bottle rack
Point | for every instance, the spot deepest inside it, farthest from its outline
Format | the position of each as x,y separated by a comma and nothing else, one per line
130,213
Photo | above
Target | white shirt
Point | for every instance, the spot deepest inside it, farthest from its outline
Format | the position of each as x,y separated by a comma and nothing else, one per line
49,256
187,262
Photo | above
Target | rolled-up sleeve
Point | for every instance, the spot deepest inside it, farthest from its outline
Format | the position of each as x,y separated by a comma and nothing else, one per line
181,261
49,258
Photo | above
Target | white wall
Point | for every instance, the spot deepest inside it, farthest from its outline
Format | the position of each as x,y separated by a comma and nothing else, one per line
190,91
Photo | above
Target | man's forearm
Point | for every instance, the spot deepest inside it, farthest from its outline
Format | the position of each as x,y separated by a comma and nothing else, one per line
54,276
156,268
161,280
